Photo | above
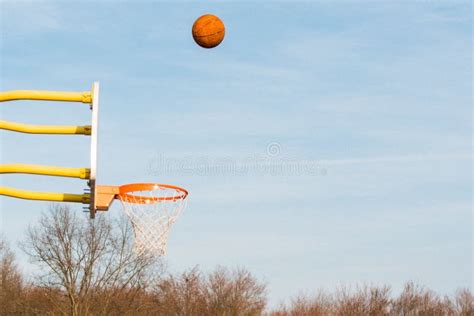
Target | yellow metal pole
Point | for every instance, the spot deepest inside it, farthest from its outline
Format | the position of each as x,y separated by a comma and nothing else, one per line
45,129
81,173
84,97
45,196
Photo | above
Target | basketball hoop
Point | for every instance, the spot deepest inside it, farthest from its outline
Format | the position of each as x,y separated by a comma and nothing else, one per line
152,209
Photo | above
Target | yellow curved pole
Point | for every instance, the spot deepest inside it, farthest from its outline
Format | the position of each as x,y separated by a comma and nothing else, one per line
45,129
45,196
84,97
81,173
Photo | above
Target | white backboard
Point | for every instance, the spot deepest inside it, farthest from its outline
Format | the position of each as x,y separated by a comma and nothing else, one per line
94,132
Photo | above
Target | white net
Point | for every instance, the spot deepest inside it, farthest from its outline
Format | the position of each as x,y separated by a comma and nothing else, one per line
152,213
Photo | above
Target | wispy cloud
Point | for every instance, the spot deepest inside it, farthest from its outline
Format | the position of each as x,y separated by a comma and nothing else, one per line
30,18
397,159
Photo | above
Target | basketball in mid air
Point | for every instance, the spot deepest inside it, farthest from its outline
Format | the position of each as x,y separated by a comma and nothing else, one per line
208,31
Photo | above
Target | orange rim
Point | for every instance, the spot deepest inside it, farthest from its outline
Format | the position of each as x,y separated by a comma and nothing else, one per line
125,193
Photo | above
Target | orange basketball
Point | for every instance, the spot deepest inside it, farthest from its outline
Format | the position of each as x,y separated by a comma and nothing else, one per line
208,31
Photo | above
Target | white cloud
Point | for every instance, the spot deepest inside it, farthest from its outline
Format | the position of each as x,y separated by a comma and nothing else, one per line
30,17
397,158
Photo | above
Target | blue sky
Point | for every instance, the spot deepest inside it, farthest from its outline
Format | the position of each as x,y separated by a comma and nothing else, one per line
371,100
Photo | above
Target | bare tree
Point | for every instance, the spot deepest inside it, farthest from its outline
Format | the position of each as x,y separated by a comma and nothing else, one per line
464,302
235,292
414,300
180,295
321,304
363,301
417,300
222,292
11,286
90,261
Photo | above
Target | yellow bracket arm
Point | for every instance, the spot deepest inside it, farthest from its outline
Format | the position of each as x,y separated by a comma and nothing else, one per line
45,196
45,129
84,97
81,173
